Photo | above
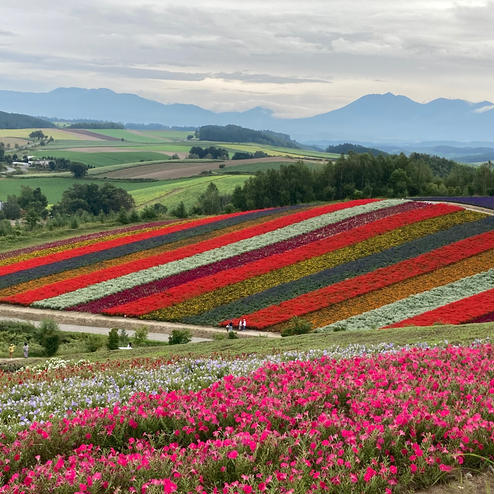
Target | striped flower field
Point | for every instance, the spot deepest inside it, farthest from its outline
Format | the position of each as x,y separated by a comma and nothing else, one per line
359,264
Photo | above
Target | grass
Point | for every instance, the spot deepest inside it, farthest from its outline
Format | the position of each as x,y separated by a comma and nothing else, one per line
266,165
458,335
53,187
103,158
172,192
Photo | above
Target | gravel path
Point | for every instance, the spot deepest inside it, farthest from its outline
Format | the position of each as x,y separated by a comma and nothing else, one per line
96,323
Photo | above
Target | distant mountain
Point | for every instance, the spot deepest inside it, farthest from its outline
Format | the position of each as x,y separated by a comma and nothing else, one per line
374,118
18,121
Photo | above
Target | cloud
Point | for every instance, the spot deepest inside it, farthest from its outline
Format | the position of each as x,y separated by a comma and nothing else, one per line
303,55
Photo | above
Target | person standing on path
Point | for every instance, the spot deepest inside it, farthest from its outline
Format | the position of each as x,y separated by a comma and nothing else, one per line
25,348
11,350
244,324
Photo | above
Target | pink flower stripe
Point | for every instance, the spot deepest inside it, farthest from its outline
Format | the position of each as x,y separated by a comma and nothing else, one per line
195,288
367,424
85,280
159,286
59,256
458,312
370,282
82,238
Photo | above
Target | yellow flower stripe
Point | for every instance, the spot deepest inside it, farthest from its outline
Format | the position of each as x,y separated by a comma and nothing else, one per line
310,266
398,291
82,243
37,283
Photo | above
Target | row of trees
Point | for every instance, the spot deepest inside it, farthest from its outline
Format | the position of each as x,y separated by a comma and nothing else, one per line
31,204
361,176
235,133
211,152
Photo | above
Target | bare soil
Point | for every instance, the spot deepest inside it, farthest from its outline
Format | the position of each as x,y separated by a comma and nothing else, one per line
163,171
92,135
477,483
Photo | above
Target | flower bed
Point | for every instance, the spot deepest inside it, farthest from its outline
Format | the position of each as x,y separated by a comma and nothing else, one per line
265,265
370,424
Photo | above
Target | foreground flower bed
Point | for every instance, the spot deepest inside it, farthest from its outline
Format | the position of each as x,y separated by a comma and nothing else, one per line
375,424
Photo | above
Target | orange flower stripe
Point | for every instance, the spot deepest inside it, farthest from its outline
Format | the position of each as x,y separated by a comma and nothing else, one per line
136,256
373,300
292,272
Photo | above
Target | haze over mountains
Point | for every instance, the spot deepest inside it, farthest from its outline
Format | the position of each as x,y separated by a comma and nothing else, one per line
374,118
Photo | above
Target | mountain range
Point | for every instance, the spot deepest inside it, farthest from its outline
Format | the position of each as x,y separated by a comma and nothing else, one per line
373,118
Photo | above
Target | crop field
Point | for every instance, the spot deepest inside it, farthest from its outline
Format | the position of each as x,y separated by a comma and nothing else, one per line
105,158
343,266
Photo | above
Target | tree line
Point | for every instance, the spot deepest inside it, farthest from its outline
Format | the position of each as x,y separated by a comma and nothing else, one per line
235,133
363,176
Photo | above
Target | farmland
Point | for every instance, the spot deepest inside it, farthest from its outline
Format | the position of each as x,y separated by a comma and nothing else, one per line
127,156
363,263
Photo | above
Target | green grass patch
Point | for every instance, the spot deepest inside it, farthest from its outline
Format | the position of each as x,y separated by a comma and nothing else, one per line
104,159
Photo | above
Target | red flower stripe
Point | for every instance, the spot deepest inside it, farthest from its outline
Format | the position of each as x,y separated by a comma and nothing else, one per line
59,256
372,281
458,312
85,280
164,284
197,287
90,236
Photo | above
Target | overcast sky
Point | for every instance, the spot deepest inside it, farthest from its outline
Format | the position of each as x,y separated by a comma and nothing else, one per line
296,57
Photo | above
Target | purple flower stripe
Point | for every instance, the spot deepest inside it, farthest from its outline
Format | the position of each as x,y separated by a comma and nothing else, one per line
81,238
489,317
480,201
132,294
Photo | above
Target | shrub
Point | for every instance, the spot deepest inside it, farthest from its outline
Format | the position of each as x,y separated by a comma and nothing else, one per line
297,325
140,337
49,337
113,339
232,335
179,337
123,338
92,342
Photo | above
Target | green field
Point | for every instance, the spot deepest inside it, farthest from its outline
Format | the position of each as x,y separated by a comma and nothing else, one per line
105,159
168,192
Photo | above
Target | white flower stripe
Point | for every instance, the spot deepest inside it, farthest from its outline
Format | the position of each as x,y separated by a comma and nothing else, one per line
131,280
417,304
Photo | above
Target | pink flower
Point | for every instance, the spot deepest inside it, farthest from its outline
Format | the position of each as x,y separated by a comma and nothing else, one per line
232,454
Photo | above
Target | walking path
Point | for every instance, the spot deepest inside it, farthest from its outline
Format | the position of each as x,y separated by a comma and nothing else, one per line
95,323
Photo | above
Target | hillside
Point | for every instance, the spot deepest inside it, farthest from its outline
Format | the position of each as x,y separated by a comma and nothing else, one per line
18,121
377,118
234,133
359,264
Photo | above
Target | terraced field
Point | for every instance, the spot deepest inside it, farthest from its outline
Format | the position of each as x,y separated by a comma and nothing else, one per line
351,265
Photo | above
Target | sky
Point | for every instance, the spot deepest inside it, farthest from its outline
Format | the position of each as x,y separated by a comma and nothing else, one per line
298,58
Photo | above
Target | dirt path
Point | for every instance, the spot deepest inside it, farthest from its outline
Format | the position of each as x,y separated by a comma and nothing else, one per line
82,321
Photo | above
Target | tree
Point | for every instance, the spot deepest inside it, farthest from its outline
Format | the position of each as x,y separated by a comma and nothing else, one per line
113,339
209,202
79,170
49,337
37,134
91,198
11,209
179,211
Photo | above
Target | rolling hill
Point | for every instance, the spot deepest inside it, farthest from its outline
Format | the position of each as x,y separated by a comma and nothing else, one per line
352,265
